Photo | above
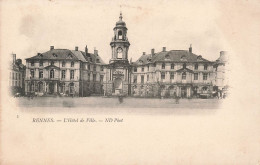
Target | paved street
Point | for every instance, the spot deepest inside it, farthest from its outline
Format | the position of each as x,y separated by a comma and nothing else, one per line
51,104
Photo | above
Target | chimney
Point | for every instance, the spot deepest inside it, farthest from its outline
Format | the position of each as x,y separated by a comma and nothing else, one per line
190,48
164,49
76,48
222,53
52,47
152,52
96,52
14,58
143,53
86,49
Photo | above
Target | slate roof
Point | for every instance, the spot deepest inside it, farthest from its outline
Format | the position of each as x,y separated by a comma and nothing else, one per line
66,54
170,56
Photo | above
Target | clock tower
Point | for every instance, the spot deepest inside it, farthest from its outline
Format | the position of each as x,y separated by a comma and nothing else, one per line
118,71
119,43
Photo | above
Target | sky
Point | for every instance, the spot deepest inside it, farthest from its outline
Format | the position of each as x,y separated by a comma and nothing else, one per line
31,27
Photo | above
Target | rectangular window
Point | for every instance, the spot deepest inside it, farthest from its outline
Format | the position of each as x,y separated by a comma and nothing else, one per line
94,68
172,75
205,76
148,77
135,79
172,66
16,76
163,66
102,68
195,76
135,69
88,76
148,68
72,64
72,74
88,66
32,73
94,77
63,64
142,79
32,63
163,75
196,67
40,74
101,78
19,76
63,74
205,67
41,63
142,69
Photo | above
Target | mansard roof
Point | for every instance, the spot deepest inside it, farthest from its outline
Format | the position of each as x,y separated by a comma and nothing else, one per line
66,54
170,56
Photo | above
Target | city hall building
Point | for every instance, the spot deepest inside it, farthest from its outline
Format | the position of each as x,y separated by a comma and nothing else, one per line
167,73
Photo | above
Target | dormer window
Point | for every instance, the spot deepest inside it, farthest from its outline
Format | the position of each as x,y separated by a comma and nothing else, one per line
141,61
97,61
72,64
183,58
199,58
69,56
167,57
52,62
184,65
55,55
32,63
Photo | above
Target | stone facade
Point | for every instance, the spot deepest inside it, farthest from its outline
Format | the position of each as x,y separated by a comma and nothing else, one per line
16,76
173,73
64,72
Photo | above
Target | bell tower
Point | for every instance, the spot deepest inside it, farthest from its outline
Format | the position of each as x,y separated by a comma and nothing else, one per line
119,43
118,72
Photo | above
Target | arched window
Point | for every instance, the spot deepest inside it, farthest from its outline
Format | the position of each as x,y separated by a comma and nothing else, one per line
120,35
183,76
163,66
52,73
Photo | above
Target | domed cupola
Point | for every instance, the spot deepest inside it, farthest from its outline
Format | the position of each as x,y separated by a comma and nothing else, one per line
120,23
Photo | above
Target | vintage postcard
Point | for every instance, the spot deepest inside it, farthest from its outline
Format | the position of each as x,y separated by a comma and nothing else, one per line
130,82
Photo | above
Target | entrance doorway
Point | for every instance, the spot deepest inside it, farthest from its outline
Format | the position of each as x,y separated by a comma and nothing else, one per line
117,85
51,88
183,92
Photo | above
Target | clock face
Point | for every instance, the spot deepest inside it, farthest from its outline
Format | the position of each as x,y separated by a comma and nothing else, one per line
119,50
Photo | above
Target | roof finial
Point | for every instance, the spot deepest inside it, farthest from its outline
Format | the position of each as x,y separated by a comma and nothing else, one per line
120,17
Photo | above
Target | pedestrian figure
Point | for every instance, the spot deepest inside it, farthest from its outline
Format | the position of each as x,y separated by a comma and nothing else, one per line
120,98
177,100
